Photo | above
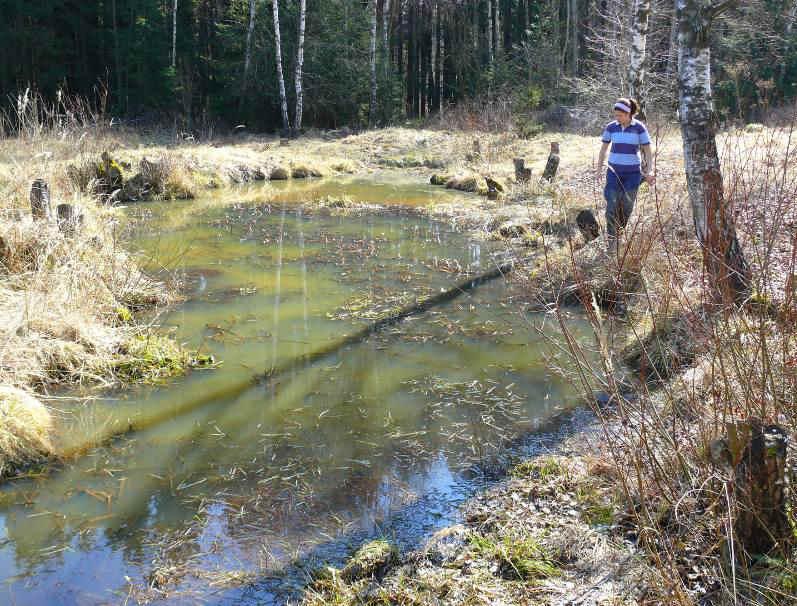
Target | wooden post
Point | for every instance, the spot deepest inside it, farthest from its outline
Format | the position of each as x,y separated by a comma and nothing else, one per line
762,488
40,206
522,174
588,225
553,163
69,219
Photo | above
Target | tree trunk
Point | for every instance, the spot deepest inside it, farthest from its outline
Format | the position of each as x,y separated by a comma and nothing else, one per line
490,47
250,30
286,125
672,56
116,62
722,255
639,44
299,67
372,108
791,17
433,69
574,46
174,35
386,35
441,59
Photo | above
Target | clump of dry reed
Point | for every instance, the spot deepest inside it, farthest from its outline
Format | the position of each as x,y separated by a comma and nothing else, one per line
25,426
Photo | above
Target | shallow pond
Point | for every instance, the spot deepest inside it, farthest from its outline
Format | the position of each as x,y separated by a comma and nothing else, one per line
232,487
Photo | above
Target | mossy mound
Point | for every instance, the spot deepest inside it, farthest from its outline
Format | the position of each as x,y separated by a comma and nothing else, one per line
668,347
302,171
25,426
372,560
150,359
438,179
468,183
279,173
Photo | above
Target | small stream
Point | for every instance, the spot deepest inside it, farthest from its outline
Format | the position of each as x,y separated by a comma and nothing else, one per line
233,496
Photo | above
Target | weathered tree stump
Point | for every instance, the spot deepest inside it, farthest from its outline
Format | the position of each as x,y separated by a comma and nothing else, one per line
552,165
70,219
522,174
5,252
494,188
40,206
477,149
588,225
757,455
762,489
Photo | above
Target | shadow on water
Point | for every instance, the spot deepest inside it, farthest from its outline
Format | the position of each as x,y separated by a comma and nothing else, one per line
382,436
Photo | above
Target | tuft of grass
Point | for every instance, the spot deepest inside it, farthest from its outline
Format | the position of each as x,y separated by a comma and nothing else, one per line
150,359
25,427
518,558
542,468
371,560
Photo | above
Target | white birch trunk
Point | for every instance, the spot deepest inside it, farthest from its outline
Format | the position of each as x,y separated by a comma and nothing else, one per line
286,125
791,17
672,57
250,30
386,35
174,34
442,70
299,67
639,44
714,226
372,108
433,67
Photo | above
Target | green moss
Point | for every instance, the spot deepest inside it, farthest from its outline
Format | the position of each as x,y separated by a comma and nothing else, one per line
150,359
518,558
124,315
542,468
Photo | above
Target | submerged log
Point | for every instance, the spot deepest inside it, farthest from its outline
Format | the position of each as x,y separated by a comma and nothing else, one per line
522,174
70,219
40,206
553,163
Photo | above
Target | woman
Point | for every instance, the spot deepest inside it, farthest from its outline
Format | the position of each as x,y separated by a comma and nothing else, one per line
626,136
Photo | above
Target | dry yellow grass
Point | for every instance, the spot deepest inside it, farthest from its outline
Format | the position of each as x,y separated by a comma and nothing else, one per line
25,426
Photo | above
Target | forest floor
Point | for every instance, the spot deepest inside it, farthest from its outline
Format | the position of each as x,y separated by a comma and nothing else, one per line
558,529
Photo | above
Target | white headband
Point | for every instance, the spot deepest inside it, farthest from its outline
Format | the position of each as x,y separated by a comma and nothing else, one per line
622,107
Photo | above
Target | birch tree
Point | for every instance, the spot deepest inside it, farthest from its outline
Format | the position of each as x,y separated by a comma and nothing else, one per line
174,33
722,255
386,35
286,124
250,30
299,67
639,44
372,107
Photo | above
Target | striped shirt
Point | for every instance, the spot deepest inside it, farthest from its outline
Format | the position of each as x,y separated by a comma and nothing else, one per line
624,153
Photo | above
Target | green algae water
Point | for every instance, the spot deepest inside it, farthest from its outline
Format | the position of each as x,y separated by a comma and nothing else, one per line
213,493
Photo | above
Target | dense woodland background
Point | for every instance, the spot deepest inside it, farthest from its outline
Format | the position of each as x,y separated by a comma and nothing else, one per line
199,64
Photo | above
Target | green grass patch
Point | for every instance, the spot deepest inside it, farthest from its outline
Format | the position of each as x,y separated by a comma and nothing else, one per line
153,358
542,468
518,558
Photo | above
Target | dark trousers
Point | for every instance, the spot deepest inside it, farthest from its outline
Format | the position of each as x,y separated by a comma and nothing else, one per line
620,193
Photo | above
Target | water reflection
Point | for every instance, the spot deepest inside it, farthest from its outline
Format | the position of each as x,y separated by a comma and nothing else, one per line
218,477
